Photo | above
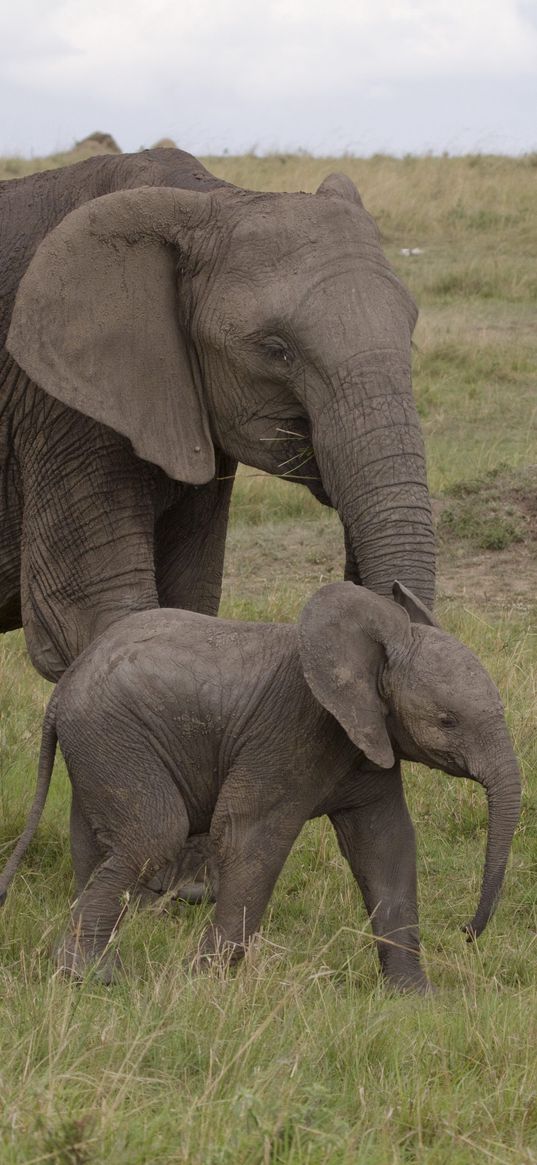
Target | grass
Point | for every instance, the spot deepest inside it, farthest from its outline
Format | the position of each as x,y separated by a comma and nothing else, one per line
258,499
301,1057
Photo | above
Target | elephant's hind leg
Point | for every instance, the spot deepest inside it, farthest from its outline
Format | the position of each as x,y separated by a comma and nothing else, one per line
85,852
144,846
95,917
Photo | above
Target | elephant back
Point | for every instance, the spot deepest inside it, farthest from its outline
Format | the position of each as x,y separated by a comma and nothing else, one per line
30,207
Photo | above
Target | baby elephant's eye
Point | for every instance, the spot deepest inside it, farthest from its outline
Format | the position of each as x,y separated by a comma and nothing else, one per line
448,720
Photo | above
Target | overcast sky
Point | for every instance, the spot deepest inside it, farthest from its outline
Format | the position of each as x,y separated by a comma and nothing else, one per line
324,75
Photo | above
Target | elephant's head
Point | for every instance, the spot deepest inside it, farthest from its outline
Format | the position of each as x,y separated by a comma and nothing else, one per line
270,325
400,686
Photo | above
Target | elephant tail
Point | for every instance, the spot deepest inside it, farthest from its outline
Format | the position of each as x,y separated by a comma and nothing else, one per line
46,763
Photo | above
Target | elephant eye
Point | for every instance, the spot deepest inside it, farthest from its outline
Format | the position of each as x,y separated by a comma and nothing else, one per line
448,720
278,351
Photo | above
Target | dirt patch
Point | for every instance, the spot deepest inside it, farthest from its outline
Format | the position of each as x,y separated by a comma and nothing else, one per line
492,512
487,539
487,548
503,578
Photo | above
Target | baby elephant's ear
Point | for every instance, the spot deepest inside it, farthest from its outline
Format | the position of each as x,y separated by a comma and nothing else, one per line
415,609
343,634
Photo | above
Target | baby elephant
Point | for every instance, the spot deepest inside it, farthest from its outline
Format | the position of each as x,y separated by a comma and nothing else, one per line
175,724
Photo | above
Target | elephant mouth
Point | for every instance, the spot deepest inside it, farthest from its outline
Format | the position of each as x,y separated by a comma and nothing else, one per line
291,447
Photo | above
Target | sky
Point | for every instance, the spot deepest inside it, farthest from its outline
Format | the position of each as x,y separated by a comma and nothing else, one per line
326,76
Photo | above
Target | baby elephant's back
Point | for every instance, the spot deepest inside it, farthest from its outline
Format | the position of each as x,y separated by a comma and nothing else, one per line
161,692
142,661
157,668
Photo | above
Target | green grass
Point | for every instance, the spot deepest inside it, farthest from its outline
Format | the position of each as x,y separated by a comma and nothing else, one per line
258,499
301,1058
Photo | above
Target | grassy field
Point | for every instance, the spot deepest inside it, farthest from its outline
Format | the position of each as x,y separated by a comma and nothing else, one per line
301,1057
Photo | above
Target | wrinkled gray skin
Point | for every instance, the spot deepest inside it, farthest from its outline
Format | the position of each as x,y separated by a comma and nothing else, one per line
165,325
173,724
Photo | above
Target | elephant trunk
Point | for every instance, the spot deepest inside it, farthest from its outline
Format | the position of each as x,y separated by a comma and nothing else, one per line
369,449
503,793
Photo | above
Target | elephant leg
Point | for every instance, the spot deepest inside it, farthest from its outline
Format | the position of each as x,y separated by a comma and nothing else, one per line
140,842
85,852
95,917
378,841
10,510
190,543
252,839
10,613
83,563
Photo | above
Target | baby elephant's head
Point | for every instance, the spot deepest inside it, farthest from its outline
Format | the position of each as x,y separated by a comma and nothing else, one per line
400,686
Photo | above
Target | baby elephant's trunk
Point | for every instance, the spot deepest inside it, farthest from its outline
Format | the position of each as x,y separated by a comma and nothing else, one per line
46,764
503,792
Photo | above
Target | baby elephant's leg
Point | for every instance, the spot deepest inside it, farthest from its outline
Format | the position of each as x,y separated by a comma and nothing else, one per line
139,841
253,829
378,841
85,852
95,916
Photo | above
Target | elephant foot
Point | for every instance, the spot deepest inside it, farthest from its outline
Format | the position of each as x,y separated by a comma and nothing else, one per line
174,902
194,893
192,879
408,981
72,962
215,952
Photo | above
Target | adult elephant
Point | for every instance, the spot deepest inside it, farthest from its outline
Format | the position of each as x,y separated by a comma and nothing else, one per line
157,326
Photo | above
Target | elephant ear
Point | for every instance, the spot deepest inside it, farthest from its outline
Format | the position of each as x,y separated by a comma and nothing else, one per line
346,635
415,609
96,324
339,185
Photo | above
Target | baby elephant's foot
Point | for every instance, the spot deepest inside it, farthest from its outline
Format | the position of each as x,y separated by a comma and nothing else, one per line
194,893
192,879
215,951
73,962
407,980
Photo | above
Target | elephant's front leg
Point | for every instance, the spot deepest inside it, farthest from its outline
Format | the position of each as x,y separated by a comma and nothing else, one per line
377,839
190,540
87,555
252,837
